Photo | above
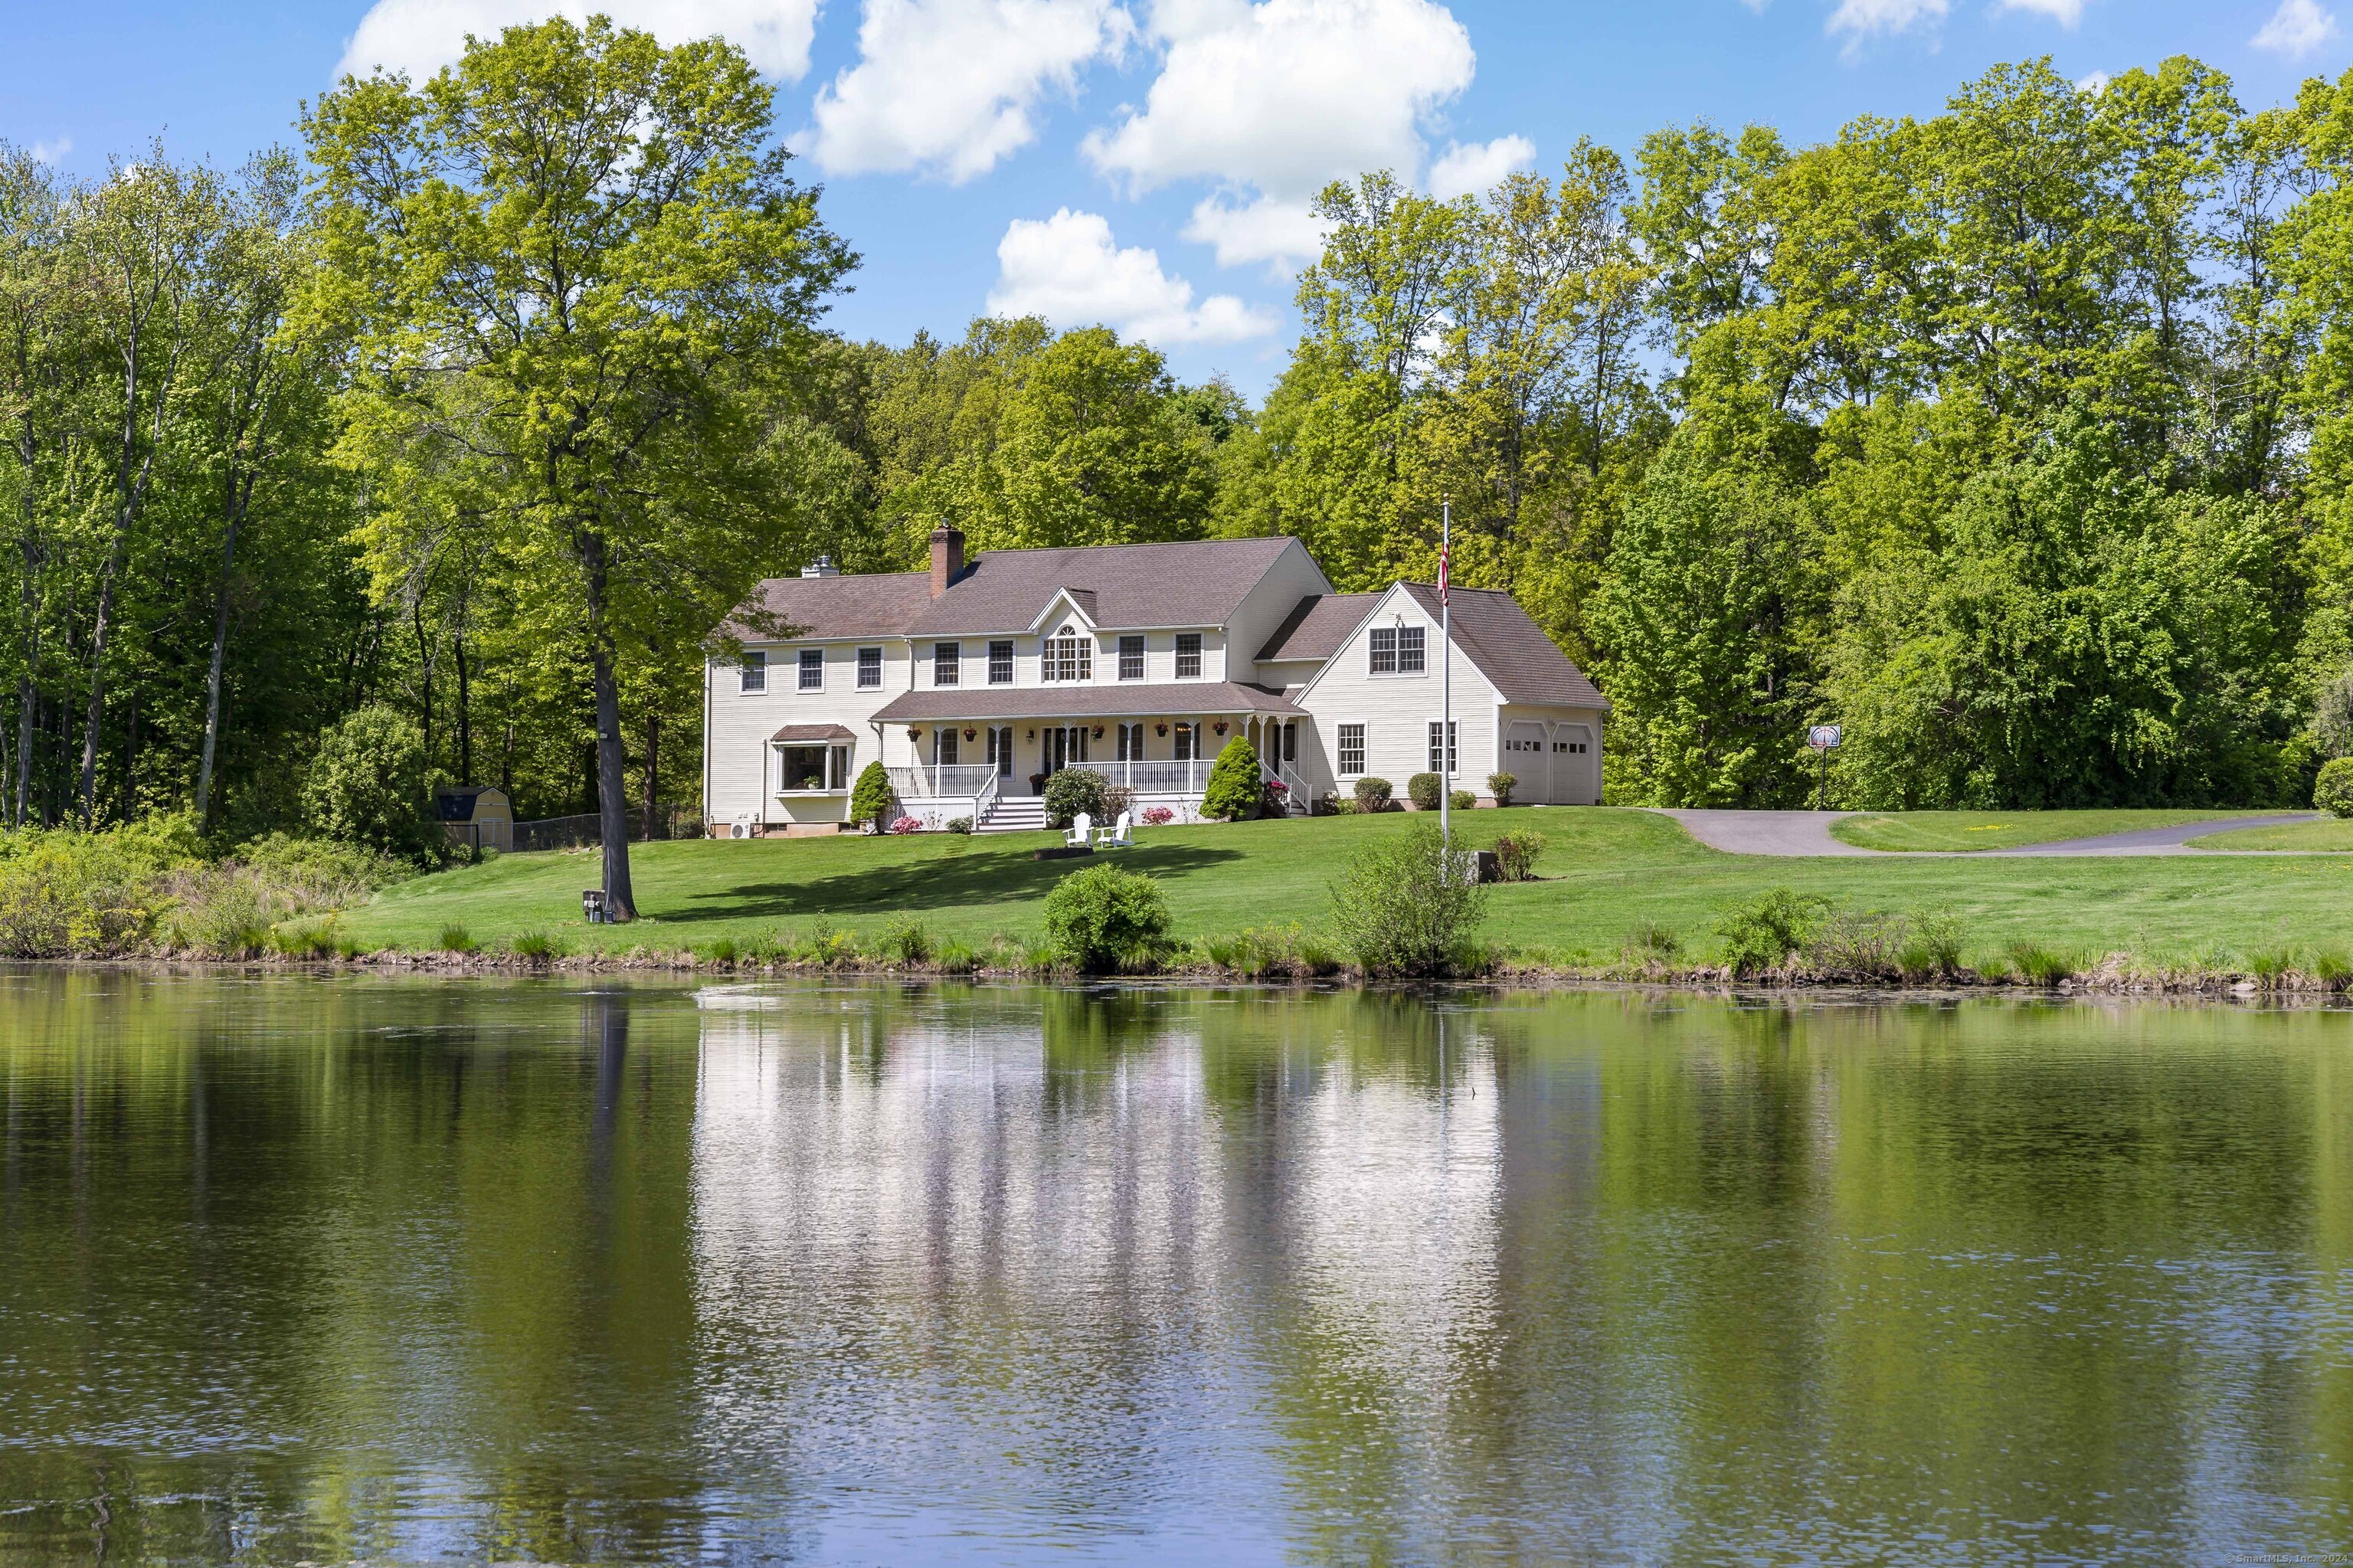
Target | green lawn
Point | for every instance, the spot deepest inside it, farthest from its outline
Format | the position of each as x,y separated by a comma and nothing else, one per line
1967,830
2336,835
1606,871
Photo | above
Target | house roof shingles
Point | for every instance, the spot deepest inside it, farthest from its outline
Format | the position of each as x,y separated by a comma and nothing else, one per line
811,734
1085,700
1196,582
1317,626
1512,650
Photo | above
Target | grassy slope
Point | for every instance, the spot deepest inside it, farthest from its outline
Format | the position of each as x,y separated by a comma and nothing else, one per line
1968,831
2329,835
1606,871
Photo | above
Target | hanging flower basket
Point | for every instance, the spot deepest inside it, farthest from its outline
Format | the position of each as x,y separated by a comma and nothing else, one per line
970,733
1219,726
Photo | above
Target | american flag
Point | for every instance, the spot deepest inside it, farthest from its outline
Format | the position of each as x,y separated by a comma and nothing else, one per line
1445,562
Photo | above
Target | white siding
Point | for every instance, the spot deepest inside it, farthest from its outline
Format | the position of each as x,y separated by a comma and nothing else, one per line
1396,711
741,765
1293,578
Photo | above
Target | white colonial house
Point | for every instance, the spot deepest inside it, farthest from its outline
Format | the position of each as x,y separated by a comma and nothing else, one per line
976,682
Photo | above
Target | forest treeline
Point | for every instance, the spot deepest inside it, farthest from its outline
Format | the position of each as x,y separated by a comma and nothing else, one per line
2015,439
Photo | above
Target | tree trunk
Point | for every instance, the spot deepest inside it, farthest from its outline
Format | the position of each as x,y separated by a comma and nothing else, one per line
425,669
612,796
465,717
29,604
101,630
213,685
653,775
131,759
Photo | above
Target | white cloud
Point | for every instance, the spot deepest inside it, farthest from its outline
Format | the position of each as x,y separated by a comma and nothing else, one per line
1287,94
420,36
2094,85
50,151
2297,28
2066,13
947,86
1068,269
1282,234
1477,167
1860,19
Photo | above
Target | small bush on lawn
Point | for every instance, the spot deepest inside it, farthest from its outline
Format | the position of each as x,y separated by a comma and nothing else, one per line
1374,794
1500,784
1071,791
1762,934
1931,947
1462,801
1651,943
1516,855
1400,913
960,824
869,798
1104,917
908,940
1158,816
2040,965
907,825
536,947
2333,792
1117,797
1869,946
1423,791
1232,792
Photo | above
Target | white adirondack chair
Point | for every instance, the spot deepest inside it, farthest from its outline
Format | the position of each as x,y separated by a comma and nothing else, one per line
1082,831
1121,834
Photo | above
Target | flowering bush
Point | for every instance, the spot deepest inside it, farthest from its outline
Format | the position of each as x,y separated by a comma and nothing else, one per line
907,825
1158,816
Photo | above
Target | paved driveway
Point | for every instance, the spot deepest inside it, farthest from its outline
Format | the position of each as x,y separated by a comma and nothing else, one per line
1808,833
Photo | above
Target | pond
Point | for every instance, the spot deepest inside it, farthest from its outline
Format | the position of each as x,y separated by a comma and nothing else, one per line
358,1268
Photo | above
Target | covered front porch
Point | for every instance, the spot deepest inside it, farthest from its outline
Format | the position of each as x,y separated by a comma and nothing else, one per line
977,754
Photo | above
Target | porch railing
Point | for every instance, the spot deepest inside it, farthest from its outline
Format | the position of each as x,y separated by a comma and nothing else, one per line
1155,777
941,780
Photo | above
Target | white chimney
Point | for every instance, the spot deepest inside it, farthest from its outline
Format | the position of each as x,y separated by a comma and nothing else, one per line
822,566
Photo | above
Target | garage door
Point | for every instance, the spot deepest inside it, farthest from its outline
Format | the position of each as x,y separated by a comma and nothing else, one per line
1576,766
1527,757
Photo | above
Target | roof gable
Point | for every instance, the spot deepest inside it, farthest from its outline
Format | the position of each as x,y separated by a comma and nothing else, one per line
1510,649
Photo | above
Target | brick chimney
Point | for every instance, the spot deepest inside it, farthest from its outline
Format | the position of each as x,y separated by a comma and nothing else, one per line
948,559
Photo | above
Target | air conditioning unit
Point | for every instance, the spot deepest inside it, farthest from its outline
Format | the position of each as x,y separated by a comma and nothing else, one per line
743,827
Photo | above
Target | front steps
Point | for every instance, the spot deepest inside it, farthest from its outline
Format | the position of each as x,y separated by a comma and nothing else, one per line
1013,814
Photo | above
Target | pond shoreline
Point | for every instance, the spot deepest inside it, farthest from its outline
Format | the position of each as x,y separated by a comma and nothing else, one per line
2112,980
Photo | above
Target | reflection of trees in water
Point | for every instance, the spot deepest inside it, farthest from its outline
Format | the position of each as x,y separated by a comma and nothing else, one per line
409,1233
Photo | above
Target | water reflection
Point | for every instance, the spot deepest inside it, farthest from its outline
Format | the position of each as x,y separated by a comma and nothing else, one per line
398,1270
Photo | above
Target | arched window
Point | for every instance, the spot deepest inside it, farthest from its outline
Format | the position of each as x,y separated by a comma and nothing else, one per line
1068,656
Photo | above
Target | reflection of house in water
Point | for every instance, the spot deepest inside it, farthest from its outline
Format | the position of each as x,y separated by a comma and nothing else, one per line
979,1204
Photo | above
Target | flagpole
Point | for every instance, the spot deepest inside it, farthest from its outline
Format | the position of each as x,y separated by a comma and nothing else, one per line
1446,684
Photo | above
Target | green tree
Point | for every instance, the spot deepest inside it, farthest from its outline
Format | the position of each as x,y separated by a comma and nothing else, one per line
367,784
1233,791
572,263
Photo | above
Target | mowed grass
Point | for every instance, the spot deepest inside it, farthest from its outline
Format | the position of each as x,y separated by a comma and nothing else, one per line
1605,871
1963,831
2336,834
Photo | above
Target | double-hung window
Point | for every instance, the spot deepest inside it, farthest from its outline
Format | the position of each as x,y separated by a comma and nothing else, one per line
812,669
1352,748
1068,657
1188,742
947,663
1442,752
1131,658
1188,655
1000,663
1396,651
943,747
754,672
869,669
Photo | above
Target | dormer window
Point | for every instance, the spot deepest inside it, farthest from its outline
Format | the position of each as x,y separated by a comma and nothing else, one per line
1068,657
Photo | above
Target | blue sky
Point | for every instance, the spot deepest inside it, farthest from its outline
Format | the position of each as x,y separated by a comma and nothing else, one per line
1146,162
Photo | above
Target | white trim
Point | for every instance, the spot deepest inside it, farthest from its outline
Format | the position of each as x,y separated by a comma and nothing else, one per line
1064,595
